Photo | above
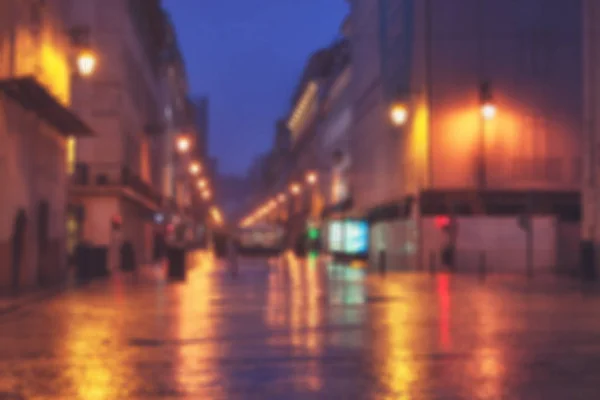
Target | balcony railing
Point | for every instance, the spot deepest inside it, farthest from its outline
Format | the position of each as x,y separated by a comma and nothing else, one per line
110,175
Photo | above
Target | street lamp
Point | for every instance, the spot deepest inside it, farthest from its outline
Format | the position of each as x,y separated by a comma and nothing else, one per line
195,168
488,111
216,214
207,195
295,189
311,178
398,114
86,62
202,184
183,144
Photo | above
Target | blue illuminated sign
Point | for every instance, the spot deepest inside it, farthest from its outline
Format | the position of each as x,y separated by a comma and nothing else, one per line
356,237
336,236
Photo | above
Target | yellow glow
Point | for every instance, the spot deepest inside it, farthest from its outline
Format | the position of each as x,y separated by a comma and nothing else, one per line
400,367
193,319
46,57
216,215
202,183
311,178
301,112
488,111
207,195
56,73
195,168
71,154
86,62
416,150
399,114
91,378
295,188
358,264
489,353
183,144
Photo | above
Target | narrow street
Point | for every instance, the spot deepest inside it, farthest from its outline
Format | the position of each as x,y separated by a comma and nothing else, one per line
304,331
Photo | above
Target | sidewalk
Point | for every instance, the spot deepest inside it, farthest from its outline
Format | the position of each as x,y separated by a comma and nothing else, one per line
10,303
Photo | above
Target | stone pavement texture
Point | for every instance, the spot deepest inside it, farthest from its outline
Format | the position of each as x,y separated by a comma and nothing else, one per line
304,331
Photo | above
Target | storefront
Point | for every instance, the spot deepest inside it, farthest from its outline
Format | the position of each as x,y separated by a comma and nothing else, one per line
348,238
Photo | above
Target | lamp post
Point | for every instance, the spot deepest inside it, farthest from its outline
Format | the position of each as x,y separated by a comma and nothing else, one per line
488,112
295,189
86,62
311,179
398,114
202,184
183,144
195,168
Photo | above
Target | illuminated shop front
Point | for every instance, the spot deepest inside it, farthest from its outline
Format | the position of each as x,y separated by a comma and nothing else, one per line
348,238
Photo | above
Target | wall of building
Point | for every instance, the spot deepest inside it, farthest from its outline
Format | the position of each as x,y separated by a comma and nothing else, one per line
120,101
371,138
500,240
535,139
33,42
33,166
591,172
122,97
530,52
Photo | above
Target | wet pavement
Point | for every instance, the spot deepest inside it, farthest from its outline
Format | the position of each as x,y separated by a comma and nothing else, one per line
304,331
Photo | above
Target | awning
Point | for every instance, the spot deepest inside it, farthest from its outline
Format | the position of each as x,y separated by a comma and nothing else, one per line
31,95
391,211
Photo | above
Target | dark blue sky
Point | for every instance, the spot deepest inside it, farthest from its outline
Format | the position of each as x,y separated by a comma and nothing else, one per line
247,56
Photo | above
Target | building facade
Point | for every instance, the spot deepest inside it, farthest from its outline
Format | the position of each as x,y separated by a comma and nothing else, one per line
591,173
112,186
36,131
493,129
202,122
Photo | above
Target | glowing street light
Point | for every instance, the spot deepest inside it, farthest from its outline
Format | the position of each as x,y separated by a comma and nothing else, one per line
311,178
207,195
281,198
195,168
398,114
183,144
202,184
295,189
488,111
216,214
86,62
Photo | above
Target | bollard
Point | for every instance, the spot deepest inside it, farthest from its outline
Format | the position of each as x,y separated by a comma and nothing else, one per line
482,266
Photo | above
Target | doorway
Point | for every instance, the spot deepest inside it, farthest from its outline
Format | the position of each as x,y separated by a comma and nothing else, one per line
43,220
18,246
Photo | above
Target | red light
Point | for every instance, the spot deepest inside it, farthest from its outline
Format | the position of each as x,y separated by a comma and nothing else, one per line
442,221
116,222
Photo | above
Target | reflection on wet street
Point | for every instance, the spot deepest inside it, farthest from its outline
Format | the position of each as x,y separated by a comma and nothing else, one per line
303,329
